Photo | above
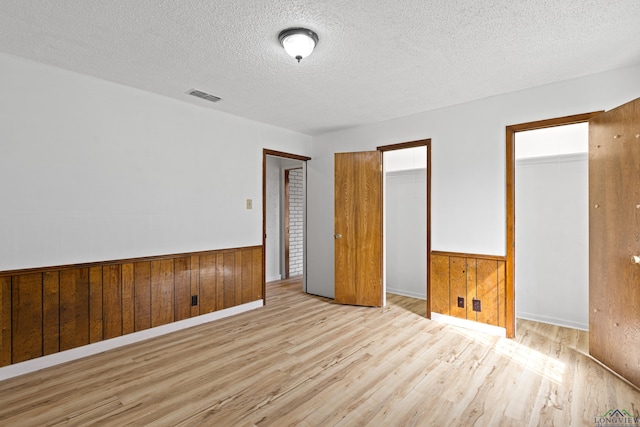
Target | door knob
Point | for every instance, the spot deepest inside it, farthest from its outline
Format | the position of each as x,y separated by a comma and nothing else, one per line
338,236
635,259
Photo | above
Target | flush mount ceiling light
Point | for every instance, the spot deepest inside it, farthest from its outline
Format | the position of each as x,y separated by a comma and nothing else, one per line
298,42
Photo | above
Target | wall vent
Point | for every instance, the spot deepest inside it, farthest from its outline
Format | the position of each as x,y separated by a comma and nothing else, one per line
200,94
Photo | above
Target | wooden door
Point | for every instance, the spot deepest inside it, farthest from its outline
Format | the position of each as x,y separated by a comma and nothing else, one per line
358,228
614,238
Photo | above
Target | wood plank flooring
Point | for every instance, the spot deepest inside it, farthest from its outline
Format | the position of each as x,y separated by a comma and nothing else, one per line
305,361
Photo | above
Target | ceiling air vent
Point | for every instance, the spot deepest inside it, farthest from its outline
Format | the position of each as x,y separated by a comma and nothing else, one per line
203,95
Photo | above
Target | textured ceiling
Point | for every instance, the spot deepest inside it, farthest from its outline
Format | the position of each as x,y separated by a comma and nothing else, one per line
376,59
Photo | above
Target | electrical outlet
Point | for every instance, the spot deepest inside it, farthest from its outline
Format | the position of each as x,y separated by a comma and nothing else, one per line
461,302
194,300
477,305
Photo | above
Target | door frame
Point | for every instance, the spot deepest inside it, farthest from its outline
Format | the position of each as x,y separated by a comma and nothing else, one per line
411,144
511,205
267,152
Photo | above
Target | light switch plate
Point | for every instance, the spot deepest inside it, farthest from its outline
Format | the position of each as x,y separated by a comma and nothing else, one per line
249,204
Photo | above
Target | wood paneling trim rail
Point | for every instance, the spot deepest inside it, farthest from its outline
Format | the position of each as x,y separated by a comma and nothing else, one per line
111,262
48,310
464,255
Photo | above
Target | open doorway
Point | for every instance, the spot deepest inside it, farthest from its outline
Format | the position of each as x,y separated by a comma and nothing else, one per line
406,230
284,216
511,132
552,225
405,221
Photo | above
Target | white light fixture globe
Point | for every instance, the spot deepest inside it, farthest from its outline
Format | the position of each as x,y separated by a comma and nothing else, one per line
298,42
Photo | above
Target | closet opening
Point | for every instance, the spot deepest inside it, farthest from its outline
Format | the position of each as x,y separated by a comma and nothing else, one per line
406,220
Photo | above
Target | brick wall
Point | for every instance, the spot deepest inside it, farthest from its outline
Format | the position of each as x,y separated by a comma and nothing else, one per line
296,222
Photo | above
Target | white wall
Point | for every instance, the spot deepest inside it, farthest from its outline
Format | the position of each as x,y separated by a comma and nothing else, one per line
552,239
91,170
468,162
553,141
405,159
406,231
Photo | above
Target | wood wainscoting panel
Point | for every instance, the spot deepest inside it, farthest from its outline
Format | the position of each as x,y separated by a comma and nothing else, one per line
112,301
5,321
183,288
502,297
246,272
487,285
440,284
472,276
162,292
142,292
229,278
51,312
96,302
472,288
457,286
26,317
74,308
208,268
238,278
128,298
257,279
195,284
219,283
44,311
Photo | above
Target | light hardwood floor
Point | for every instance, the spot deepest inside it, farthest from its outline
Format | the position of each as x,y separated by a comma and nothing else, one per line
305,361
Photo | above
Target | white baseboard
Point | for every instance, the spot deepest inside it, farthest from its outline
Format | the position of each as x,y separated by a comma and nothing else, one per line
102,346
469,324
405,293
553,321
